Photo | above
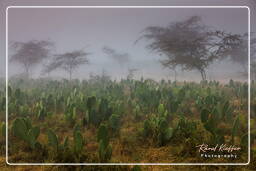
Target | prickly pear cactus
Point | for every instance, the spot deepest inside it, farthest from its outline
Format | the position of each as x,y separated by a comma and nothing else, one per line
2,104
23,129
235,128
147,128
66,143
94,117
33,135
210,122
114,122
20,129
204,115
3,129
165,132
103,108
161,109
53,140
227,111
91,102
78,142
102,133
105,150
41,111
137,112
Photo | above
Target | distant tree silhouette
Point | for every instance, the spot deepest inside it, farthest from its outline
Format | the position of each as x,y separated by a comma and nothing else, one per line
131,72
69,62
31,53
190,44
239,54
253,70
120,58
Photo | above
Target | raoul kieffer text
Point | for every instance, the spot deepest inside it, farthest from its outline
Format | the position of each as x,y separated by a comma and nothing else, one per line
218,148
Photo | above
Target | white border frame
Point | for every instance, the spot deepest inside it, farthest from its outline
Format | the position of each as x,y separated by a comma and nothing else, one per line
98,7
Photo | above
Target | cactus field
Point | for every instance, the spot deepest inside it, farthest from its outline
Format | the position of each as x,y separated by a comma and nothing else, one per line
127,121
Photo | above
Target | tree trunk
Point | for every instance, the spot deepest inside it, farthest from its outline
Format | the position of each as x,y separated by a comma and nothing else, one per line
203,74
27,71
175,75
70,75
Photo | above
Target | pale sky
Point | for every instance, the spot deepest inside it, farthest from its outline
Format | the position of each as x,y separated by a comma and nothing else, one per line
73,29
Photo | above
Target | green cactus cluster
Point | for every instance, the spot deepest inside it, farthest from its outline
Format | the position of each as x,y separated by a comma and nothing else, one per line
42,111
213,117
165,132
155,110
3,129
104,109
210,121
70,115
78,142
114,122
185,128
53,140
235,128
162,112
105,149
93,116
23,129
97,111
137,112
3,104
91,102
157,127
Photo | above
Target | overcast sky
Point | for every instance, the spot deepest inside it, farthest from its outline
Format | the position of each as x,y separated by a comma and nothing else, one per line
91,29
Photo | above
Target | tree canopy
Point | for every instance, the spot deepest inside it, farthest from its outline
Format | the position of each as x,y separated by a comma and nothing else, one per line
29,54
68,61
240,53
190,44
120,58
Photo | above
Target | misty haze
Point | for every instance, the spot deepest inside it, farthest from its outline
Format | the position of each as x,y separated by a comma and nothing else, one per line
127,85
95,30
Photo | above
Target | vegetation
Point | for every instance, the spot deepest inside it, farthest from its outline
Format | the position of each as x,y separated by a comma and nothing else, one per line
126,121
100,120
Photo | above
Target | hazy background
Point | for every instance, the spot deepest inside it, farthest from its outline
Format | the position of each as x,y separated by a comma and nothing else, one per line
91,29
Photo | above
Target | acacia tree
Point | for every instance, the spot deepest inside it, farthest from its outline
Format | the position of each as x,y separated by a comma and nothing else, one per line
120,58
239,54
69,62
253,70
31,53
253,58
190,44
166,64
131,73
49,67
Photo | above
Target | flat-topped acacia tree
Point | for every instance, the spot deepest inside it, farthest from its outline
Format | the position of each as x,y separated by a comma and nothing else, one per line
239,55
119,57
190,44
68,61
31,53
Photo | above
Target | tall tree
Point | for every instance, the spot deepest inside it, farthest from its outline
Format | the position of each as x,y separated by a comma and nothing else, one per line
190,44
120,58
239,54
31,53
253,70
131,73
69,62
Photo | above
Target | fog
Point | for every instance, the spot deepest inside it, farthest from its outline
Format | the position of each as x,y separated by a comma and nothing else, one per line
118,29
